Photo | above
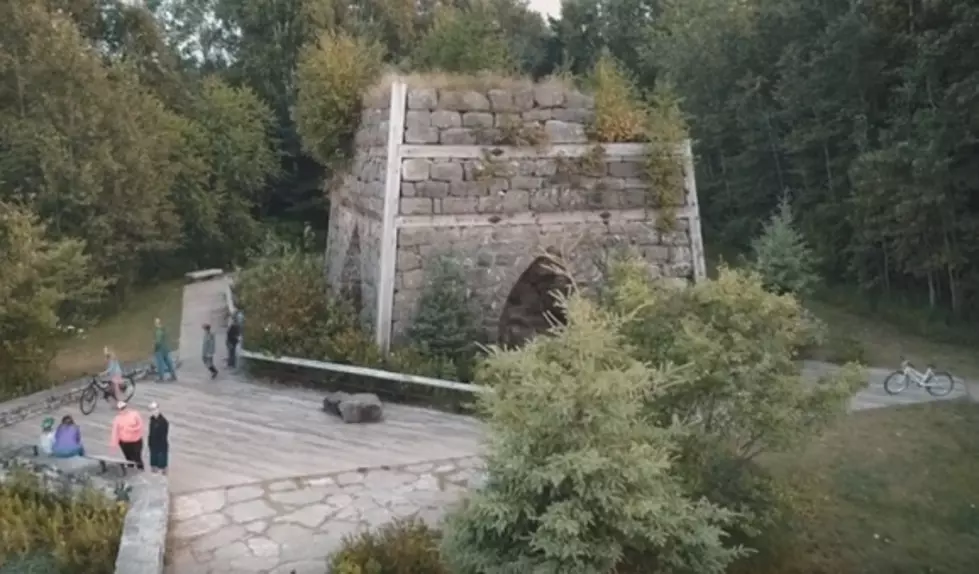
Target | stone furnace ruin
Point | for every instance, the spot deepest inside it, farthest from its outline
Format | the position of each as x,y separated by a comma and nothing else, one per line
497,175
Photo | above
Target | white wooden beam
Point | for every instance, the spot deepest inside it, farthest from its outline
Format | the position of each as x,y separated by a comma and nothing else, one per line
696,237
366,372
389,231
534,218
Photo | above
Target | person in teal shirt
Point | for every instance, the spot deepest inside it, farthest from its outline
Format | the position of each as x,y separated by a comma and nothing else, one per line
161,352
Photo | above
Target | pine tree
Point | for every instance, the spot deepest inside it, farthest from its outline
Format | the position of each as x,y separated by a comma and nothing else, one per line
578,480
446,324
782,257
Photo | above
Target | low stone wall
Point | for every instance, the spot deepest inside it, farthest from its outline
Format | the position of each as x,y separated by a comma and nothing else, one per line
43,402
52,478
144,535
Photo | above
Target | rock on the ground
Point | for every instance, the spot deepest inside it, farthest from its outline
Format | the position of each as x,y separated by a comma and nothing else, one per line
354,408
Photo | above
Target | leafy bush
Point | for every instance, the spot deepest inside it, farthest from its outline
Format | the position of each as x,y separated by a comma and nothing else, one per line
738,344
781,256
332,75
403,546
464,41
292,312
42,282
446,325
578,480
78,535
225,161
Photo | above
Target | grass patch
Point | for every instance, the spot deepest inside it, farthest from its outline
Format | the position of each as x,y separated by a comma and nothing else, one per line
880,335
882,344
129,332
886,491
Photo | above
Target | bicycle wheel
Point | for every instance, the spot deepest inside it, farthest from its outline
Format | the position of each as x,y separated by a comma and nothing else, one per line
127,388
895,382
940,385
86,403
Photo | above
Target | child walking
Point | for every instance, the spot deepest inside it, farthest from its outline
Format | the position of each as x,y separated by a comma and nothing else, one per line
207,352
158,441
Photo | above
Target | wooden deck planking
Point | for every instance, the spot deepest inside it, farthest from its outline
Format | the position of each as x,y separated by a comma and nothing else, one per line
237,431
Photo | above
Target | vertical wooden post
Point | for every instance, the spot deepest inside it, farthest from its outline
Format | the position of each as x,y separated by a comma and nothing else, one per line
696,237
389,231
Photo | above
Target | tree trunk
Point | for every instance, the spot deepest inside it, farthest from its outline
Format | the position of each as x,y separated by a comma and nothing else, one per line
887,272
932,295
774,148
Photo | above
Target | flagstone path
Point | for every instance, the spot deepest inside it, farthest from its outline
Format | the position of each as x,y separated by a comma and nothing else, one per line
290,525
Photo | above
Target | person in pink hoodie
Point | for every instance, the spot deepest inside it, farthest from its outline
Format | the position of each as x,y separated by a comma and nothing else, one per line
127,434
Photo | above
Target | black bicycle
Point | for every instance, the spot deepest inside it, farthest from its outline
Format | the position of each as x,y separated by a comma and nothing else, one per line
90,396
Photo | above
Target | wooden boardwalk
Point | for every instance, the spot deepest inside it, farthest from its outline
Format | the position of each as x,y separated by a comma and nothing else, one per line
234,430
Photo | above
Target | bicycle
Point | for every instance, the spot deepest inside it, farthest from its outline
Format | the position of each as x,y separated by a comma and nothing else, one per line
931,380
90,396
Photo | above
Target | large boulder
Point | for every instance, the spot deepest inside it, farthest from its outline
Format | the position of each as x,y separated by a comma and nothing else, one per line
354,408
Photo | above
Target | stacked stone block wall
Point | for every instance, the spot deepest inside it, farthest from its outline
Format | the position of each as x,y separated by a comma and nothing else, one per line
497,175
496,257
356,213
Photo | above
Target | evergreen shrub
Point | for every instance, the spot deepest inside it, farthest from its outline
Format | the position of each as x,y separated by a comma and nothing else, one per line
401,547
579,479
39,529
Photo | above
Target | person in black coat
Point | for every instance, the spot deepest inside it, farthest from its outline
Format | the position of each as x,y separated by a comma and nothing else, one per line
159,440
234,337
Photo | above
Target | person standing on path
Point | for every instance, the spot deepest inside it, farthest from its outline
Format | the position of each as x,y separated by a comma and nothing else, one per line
127,434
158,441
207,350
161,352
234,336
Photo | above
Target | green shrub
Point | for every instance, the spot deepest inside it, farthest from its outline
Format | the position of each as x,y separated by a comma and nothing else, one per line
781,256
43,282
401,547
79,534
738,344
464,41
446,327
332,75
292,312
578,479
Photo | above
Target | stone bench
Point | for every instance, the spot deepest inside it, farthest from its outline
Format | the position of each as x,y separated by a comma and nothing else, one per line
204,274
106,461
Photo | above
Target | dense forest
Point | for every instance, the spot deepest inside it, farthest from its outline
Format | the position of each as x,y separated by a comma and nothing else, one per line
141,139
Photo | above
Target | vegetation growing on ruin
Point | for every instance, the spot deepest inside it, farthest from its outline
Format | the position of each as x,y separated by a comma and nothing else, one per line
622,115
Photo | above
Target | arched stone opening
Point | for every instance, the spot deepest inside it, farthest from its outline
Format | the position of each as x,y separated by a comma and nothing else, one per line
350,279
531,302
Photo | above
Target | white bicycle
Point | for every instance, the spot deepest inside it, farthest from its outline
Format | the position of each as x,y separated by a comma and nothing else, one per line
938,384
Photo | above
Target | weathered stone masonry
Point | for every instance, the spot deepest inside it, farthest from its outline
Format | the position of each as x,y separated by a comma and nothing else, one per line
454,182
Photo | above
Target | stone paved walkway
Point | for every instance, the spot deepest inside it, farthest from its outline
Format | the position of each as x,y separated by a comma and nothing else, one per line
292,525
